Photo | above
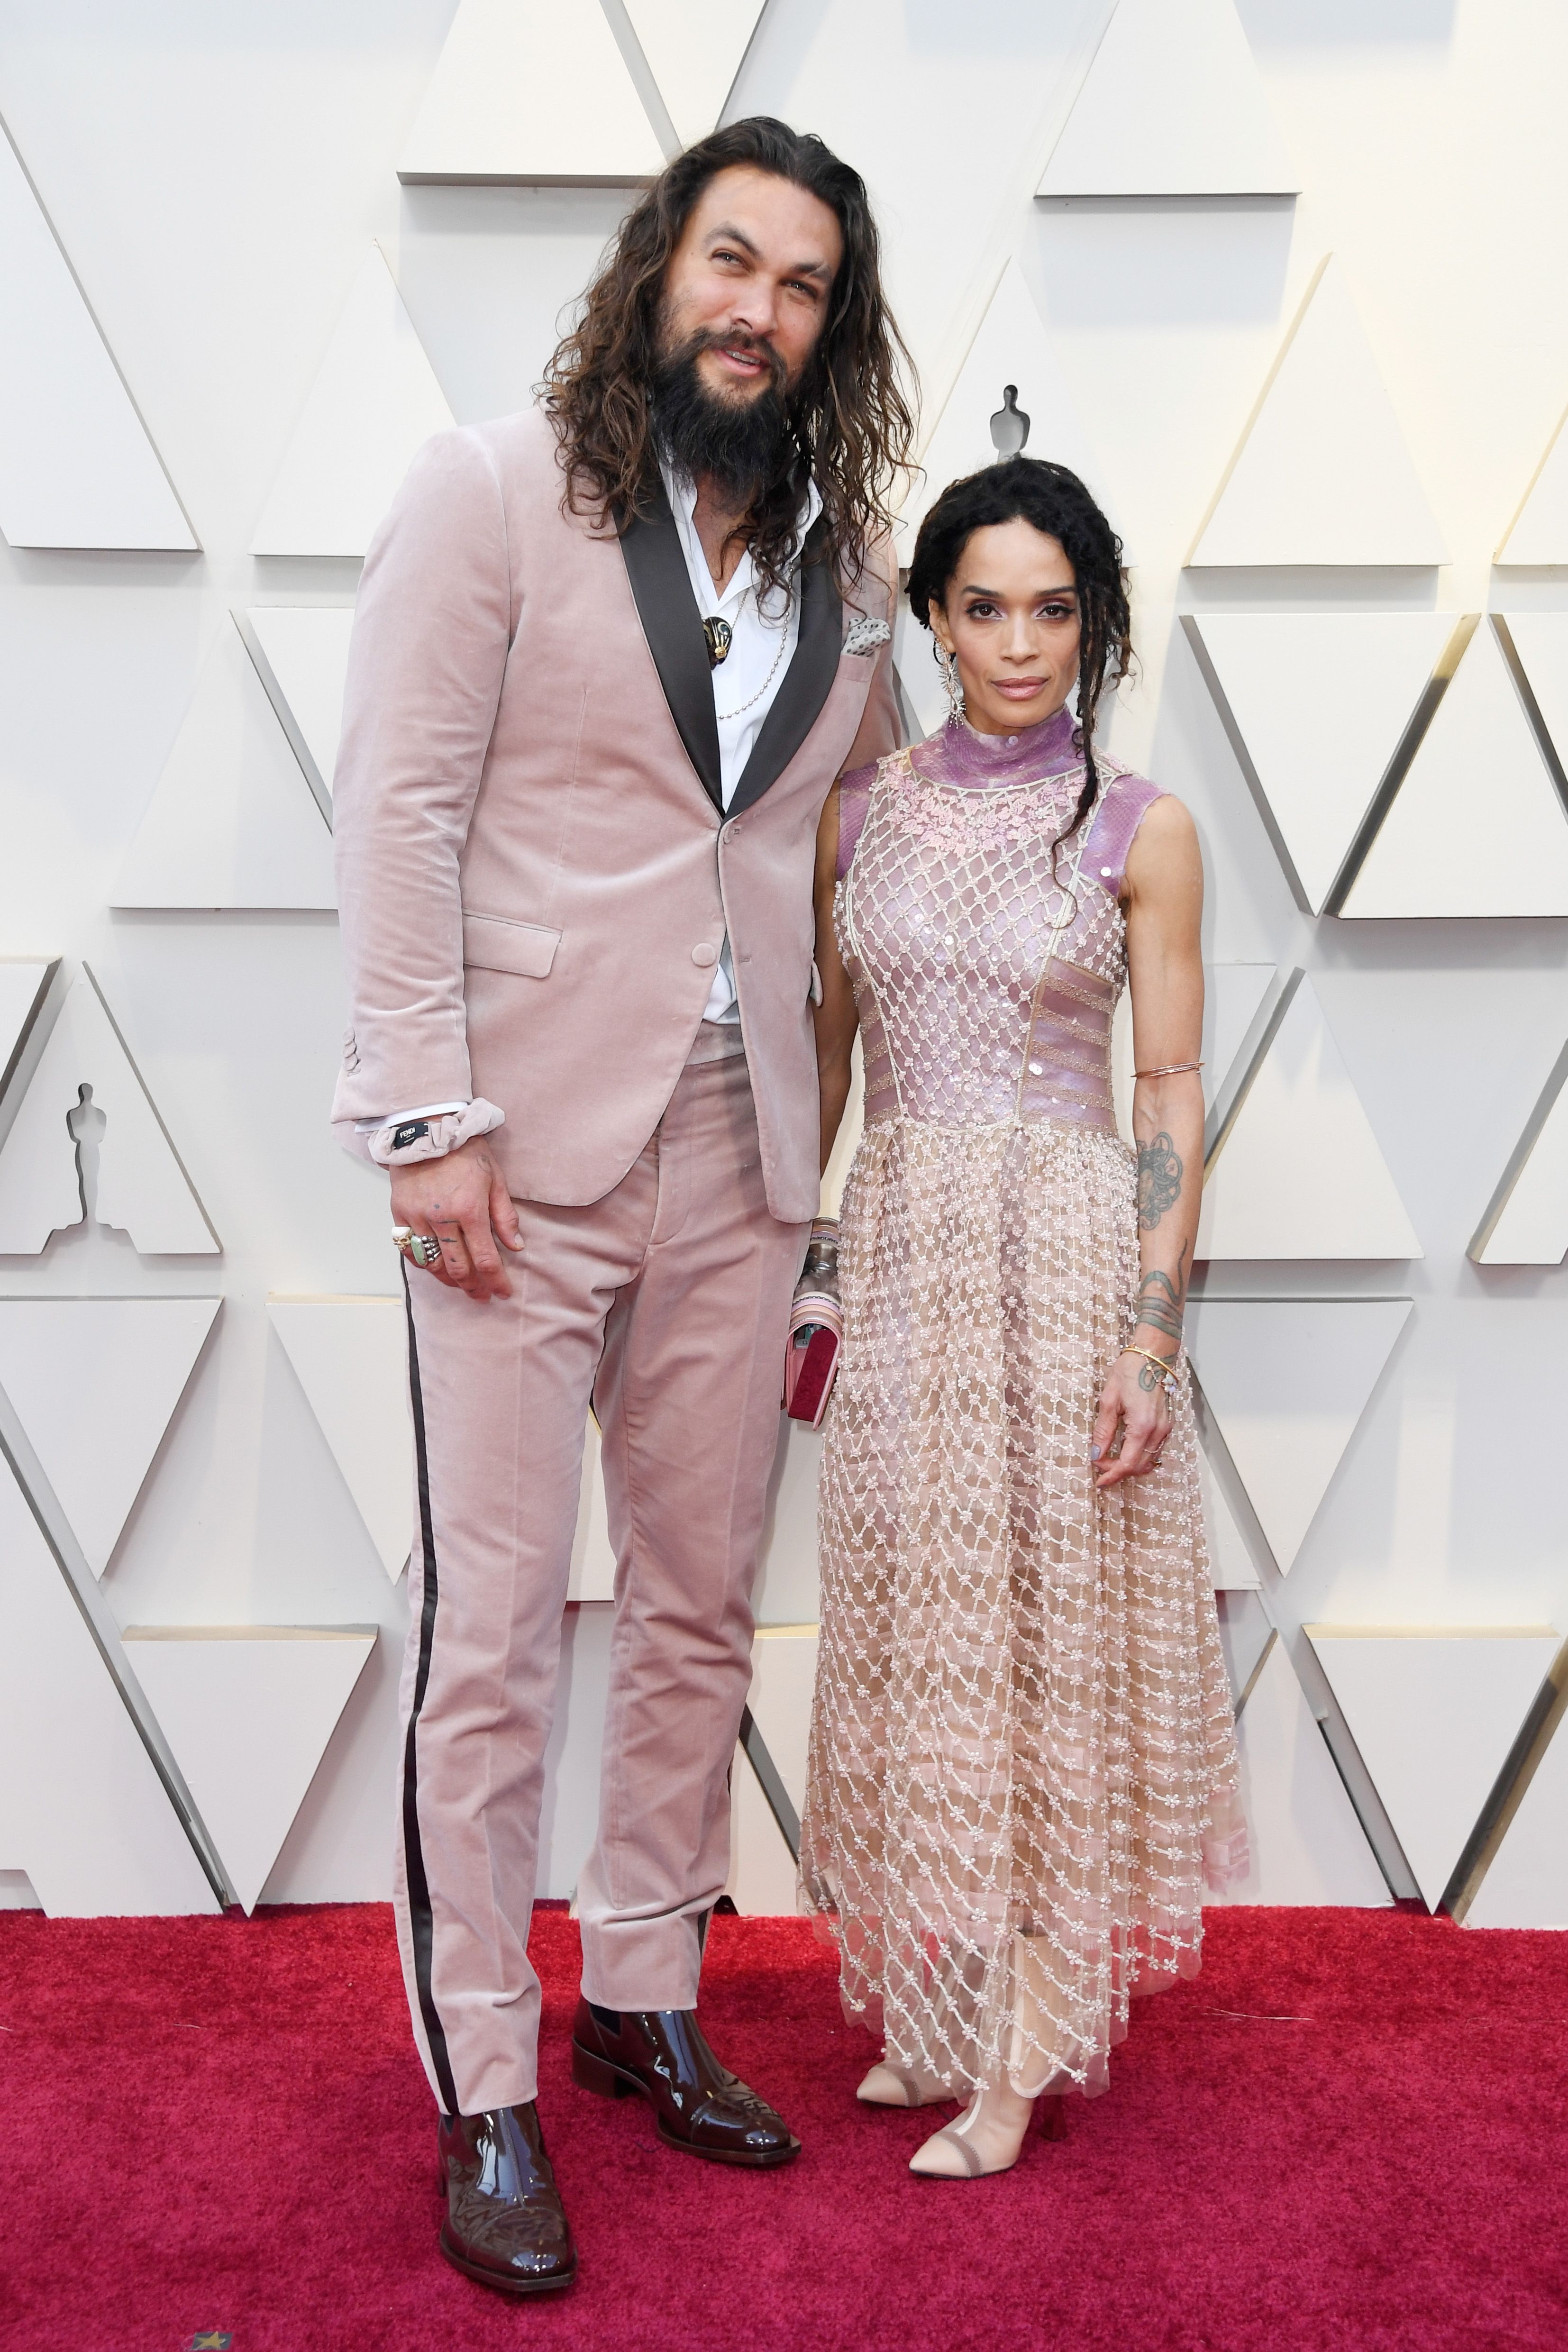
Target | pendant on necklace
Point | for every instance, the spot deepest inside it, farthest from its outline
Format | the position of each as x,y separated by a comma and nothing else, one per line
718,634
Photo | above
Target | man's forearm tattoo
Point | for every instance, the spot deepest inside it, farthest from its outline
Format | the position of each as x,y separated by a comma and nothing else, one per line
1159,1304
1159,1181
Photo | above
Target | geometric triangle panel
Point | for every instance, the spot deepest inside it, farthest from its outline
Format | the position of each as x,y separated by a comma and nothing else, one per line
76,467
694,52
351,1358
1539,532
141,1185
1526,1884
1232,1568
1010,347
301,653
1476,828
373,402
82,1810
248,1711
1305,1843
1314,760
1322,474
94,1383
537,94
1173,105
783,1671
233,821
1287,1382
1300,1174
1433,1712
1538,644
24,984
1526,1222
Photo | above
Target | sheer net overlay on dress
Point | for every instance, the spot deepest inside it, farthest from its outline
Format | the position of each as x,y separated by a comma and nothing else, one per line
1023,1762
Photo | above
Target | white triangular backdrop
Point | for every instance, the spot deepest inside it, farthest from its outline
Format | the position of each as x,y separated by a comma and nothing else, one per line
1318,757
1479,778
1322,475
94,1383
82,1810
233,821
1526,1222
1300,1174
1287,1381
534,92
302,654
1173,105
694,52
142,1188
1539,532
248,1711
78,467
1434,1712
374,400
24,985
1010,346
1526,1885
1306,1844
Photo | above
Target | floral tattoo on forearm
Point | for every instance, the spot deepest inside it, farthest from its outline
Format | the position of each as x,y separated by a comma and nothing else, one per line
1159,1181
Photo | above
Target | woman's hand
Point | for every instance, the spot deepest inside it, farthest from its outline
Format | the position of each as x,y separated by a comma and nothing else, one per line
1133,1400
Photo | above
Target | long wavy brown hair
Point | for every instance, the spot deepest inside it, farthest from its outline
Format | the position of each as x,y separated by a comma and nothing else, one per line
850,425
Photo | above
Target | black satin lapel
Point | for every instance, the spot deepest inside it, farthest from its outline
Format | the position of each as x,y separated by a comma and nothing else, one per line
807,683
661,584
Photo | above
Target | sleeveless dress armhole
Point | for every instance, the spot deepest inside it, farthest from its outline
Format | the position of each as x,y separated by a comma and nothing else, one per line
1123,804
854,800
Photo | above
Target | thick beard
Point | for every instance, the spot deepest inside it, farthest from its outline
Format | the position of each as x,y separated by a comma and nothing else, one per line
743,447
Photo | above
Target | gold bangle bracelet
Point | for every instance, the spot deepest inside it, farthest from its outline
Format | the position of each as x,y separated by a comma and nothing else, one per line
1169,1070
1165,1364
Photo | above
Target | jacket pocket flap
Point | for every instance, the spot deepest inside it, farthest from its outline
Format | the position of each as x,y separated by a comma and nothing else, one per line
496,944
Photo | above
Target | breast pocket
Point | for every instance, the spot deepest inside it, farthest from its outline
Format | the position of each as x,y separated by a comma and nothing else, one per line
495,943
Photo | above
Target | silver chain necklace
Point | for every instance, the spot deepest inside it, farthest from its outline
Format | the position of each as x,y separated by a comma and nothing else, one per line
722,716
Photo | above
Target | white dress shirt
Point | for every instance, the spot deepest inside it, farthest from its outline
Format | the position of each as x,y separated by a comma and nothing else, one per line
764,632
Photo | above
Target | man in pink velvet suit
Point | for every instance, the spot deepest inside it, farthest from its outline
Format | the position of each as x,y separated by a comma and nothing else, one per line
609,656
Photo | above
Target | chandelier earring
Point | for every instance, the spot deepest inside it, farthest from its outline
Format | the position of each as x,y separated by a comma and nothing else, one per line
948,663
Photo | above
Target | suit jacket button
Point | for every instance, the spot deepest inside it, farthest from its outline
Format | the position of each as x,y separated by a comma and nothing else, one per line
704,953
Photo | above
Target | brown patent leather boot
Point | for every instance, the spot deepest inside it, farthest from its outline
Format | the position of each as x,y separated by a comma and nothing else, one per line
699,2106
505,2224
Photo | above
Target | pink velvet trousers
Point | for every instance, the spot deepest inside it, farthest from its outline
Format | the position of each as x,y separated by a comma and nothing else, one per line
664,1305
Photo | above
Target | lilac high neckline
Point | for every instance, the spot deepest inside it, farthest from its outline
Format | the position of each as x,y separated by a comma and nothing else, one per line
958,755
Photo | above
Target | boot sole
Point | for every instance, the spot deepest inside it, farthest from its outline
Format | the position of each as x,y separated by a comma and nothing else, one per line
483,2277
608,2081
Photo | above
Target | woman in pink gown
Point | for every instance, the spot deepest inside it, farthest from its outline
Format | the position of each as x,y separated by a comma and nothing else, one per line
1022,1766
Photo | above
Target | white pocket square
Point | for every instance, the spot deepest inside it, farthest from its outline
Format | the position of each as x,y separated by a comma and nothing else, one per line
863,636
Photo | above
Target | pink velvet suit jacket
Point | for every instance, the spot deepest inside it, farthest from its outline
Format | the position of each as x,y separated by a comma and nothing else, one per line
534,872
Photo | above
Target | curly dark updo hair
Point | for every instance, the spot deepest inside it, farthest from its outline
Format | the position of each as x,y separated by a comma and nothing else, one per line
1033,491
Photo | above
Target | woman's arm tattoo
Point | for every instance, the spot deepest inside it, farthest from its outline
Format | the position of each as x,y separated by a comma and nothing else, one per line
1159,1181
1159,1304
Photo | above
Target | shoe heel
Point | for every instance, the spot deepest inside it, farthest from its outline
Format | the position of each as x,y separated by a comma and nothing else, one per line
1053,2118
591,2073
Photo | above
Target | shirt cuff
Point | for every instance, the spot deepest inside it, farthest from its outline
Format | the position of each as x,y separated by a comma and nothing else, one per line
429,1133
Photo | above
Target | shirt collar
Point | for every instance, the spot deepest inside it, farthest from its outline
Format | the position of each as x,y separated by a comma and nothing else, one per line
681,491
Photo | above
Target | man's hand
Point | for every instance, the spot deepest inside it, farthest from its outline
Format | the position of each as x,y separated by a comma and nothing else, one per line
463,1202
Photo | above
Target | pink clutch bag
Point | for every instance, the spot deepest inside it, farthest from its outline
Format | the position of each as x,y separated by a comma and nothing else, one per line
815,1328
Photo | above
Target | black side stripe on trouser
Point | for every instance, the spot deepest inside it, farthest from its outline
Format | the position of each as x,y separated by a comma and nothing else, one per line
421,1922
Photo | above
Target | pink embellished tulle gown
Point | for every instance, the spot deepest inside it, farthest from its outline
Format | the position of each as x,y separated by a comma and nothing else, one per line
1023,1766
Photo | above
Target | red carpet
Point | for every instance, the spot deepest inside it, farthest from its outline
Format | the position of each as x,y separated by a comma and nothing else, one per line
1352,2131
